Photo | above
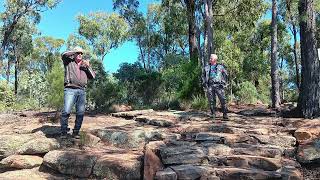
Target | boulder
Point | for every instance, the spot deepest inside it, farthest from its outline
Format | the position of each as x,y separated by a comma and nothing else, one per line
155,120
9,144
119,166
219,150
182,155
190,172
221,137
257,150
88,139
166,174
76,163
309,153
40,145
29,174
291,173
238,173
277,140
122,138
21,162
132,114
152,162
308,132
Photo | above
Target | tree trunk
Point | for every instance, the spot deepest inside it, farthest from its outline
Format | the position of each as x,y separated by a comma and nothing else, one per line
281,83
16,68
295,43
309,96
8,71
275,95
295,53
209,27
193,48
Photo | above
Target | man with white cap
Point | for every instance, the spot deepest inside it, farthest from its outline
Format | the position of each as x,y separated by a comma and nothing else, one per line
76,73
216,81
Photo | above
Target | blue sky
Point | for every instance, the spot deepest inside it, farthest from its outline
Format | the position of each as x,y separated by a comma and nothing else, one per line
61,21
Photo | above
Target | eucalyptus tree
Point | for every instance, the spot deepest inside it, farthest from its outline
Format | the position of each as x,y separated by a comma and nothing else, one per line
288,9
318,22
19,47
15,10
167,31
228,27
275,96
193,45
103,31
128,9
309,97
46,51
160,33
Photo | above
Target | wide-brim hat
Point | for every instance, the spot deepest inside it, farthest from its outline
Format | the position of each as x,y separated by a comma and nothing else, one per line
73,51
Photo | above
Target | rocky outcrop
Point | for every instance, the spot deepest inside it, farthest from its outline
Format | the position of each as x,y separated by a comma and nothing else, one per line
165,145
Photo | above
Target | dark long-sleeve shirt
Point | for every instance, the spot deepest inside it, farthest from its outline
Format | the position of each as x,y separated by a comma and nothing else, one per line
75,75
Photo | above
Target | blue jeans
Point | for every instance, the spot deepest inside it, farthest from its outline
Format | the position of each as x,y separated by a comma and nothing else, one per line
71,97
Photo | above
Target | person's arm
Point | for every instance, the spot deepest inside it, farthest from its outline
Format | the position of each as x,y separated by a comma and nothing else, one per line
67,57
207,75
89,71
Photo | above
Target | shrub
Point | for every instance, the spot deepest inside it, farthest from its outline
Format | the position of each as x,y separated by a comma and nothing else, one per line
7,97
165,103
199,102
191,85
55,80
247,93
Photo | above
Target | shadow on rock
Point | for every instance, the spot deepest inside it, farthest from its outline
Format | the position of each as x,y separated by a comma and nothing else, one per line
49,131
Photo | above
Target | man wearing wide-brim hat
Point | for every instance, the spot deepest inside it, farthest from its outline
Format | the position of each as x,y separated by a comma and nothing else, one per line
76,74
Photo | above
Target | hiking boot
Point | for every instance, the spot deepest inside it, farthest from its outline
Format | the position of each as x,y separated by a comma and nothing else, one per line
63,136
225,117
213,116
76,135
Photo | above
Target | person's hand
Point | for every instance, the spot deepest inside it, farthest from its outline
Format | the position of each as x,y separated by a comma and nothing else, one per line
85,63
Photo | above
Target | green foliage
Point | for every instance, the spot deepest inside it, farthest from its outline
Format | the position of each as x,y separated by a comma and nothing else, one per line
103,31
263,89
291,95
7,98
55,80
191,84
166,102
199,102
104,90
173,74
247,93
33,88
141,88
148,86
46,52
